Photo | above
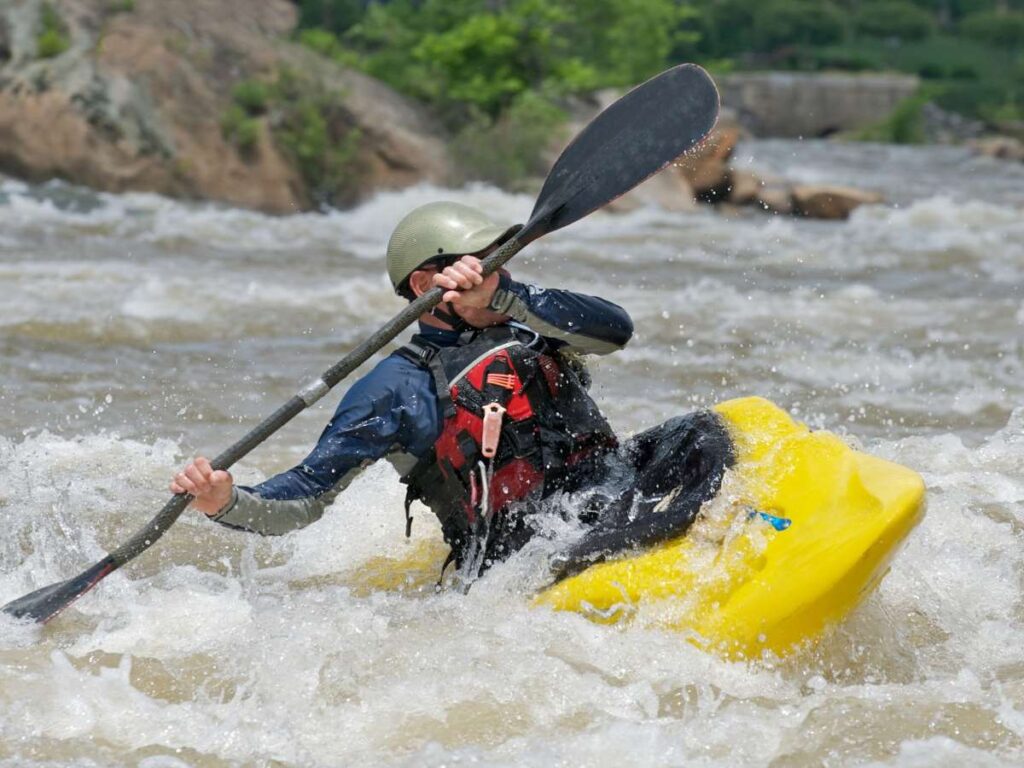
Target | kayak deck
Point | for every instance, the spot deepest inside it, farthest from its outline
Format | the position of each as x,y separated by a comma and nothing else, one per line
761,589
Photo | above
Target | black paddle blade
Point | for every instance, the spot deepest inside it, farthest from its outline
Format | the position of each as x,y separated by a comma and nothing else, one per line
45,603
630,141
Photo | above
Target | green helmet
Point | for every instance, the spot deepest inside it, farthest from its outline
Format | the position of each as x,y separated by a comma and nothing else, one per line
438,230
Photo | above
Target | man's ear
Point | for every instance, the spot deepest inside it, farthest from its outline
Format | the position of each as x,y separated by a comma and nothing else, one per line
421,281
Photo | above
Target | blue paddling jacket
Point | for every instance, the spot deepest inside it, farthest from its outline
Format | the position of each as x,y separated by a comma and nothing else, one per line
394,411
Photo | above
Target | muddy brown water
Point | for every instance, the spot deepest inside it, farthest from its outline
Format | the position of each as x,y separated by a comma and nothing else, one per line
136,331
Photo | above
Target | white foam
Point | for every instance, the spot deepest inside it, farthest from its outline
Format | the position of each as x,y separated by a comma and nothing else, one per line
902,325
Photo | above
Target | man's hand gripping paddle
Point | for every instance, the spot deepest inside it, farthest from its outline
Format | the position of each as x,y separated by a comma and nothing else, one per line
633,139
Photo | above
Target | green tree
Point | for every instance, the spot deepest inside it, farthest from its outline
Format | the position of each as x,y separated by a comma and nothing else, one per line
1003,29
484,54
794,22
894,18
336,16
725,26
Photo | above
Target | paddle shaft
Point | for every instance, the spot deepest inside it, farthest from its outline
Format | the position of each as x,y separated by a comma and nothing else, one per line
146,536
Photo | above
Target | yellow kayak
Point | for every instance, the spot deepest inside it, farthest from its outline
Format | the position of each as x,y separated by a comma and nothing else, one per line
804,528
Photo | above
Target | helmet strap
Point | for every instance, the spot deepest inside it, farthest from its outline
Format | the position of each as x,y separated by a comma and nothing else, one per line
450,317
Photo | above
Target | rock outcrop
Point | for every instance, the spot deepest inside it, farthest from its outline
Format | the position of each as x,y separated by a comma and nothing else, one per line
940,126
792,104
706,175
700,175
830,202
999,147
706,168
133,95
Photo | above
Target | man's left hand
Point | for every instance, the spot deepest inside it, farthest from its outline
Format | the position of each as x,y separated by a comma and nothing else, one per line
469,292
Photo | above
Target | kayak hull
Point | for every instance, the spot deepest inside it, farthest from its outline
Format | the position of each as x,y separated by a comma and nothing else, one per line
758,589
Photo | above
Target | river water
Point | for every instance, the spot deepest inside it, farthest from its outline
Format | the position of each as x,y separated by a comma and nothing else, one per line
136,331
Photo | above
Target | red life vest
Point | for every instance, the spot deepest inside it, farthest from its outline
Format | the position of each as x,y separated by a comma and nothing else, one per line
547,420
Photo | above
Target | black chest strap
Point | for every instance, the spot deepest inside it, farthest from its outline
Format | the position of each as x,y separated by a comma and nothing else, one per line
425,355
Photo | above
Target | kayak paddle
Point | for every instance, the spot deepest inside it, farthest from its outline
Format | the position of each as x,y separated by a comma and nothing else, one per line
633,139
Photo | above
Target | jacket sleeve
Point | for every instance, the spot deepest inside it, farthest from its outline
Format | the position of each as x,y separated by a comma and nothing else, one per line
588,324
377,416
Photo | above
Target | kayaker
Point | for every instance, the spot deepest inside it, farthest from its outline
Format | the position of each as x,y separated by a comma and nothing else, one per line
486,416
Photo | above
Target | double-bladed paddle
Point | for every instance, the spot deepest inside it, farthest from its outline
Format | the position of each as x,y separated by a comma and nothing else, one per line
631,140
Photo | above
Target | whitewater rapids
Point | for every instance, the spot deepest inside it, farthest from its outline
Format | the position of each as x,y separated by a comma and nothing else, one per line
136,331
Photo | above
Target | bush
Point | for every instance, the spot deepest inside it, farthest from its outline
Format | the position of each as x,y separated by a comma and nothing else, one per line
904,126
478,56
310,125
53,37
240,129
1009,112
894,18
796,22
963,73
512,147
973,98
726,27
320,40
1005,30
335,16
251,95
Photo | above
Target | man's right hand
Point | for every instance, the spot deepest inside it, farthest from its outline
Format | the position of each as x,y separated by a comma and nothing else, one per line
211,488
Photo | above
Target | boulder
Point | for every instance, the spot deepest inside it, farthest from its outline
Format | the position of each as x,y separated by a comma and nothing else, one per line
941,126
830,202
138,101
745,187
776,197
813,104
701,174
999,147
667,190
706,167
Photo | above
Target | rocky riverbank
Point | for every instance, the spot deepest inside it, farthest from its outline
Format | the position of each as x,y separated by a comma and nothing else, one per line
145,95
213,100
707,175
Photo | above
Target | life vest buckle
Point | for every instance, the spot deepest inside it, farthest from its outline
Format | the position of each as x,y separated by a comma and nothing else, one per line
493,414
504,380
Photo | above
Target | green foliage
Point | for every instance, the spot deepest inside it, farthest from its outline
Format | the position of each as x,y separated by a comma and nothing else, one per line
1010,112
1005,30
320,40
904,126
327,44
241,129
494,69
334,16
310,124
251,96
307,122
513,146
791,22
467,56
894,18
120,6
626,41
969,77
240,123
724,27
963,73
52,39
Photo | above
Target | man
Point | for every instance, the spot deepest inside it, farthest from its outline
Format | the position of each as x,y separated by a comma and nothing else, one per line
486,416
